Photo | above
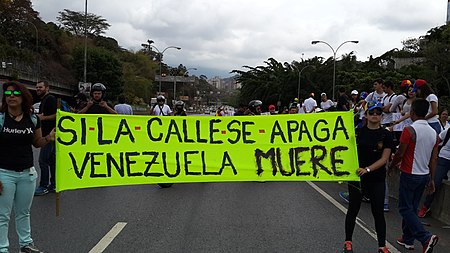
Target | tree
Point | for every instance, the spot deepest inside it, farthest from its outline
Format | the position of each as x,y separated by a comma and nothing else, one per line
74,22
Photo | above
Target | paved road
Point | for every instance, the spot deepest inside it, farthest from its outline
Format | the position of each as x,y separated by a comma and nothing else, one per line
208,217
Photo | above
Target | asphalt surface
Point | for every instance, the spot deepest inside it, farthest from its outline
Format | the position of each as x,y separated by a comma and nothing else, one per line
209,217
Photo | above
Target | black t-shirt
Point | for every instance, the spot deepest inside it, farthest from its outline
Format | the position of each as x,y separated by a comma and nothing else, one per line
371,144
47,107
16,139
97,109
343,100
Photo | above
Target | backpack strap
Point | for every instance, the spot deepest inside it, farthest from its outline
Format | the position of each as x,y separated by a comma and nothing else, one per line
447,136
2,120
34,119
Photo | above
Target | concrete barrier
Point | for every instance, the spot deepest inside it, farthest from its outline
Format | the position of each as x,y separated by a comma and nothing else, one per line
440,208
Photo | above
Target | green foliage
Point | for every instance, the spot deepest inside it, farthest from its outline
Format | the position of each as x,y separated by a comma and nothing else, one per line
102,67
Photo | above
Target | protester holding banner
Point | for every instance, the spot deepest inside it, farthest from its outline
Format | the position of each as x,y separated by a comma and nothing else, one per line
19,130
254,107
179,109
98,104
374,145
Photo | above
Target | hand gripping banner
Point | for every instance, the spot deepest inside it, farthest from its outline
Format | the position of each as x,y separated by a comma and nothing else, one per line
111,150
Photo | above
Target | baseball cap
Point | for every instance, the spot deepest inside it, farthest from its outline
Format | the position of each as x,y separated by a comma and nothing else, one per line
405,82
323,94
271,107
374,104
419,83
354,92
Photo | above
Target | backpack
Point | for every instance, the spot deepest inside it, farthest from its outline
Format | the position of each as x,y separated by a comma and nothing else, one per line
2,120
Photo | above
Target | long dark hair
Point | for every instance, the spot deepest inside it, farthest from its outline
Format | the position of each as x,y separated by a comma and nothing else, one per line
27,98
426,90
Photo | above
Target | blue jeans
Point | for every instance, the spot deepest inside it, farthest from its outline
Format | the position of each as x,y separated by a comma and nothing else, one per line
442,167
18,192
410,192
47,160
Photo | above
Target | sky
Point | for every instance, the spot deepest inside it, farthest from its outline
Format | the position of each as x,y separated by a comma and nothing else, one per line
217,37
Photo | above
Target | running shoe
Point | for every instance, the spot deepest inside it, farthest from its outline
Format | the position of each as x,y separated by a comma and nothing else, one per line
348,248
429,245
423,212
407,246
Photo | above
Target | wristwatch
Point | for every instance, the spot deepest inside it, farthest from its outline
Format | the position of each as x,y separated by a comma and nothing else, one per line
367,169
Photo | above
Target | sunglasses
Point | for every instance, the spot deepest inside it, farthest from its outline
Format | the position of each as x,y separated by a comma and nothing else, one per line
375,112
16,93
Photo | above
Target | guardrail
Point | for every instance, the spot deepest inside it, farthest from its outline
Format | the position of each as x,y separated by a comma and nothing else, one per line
440,208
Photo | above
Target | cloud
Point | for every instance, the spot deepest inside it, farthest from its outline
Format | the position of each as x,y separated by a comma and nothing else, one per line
219,36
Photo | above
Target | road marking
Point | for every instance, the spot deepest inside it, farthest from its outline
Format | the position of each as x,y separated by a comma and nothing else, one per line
108,238
360,222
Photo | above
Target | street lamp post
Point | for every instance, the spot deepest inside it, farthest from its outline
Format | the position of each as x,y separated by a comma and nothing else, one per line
161,55
37,43
334,56
299,75
85,42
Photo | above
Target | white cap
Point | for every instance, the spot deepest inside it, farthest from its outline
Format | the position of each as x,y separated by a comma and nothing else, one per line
354,92
323,94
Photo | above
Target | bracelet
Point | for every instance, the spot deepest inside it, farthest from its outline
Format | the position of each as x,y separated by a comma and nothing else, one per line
367,169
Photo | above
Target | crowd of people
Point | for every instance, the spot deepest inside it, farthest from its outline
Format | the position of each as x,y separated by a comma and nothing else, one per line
393,131
401,131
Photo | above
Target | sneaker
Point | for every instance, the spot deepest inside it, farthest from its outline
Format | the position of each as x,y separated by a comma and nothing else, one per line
40,191
348,248
429,245
344,196
51,188
383,250
423,212
407,246
30,248
386,208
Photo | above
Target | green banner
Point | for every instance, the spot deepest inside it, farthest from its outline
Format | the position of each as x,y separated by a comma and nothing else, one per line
111,150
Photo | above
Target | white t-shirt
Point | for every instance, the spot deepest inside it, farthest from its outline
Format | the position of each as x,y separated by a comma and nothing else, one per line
375,96
445,126
397,105
165,110
309,104
123,109
300,108
326,105
387,116
432,98
445,150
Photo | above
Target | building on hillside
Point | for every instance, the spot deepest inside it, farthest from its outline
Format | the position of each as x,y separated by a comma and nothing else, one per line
401,62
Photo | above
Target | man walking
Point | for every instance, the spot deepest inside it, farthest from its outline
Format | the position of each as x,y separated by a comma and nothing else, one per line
417,153
47,158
